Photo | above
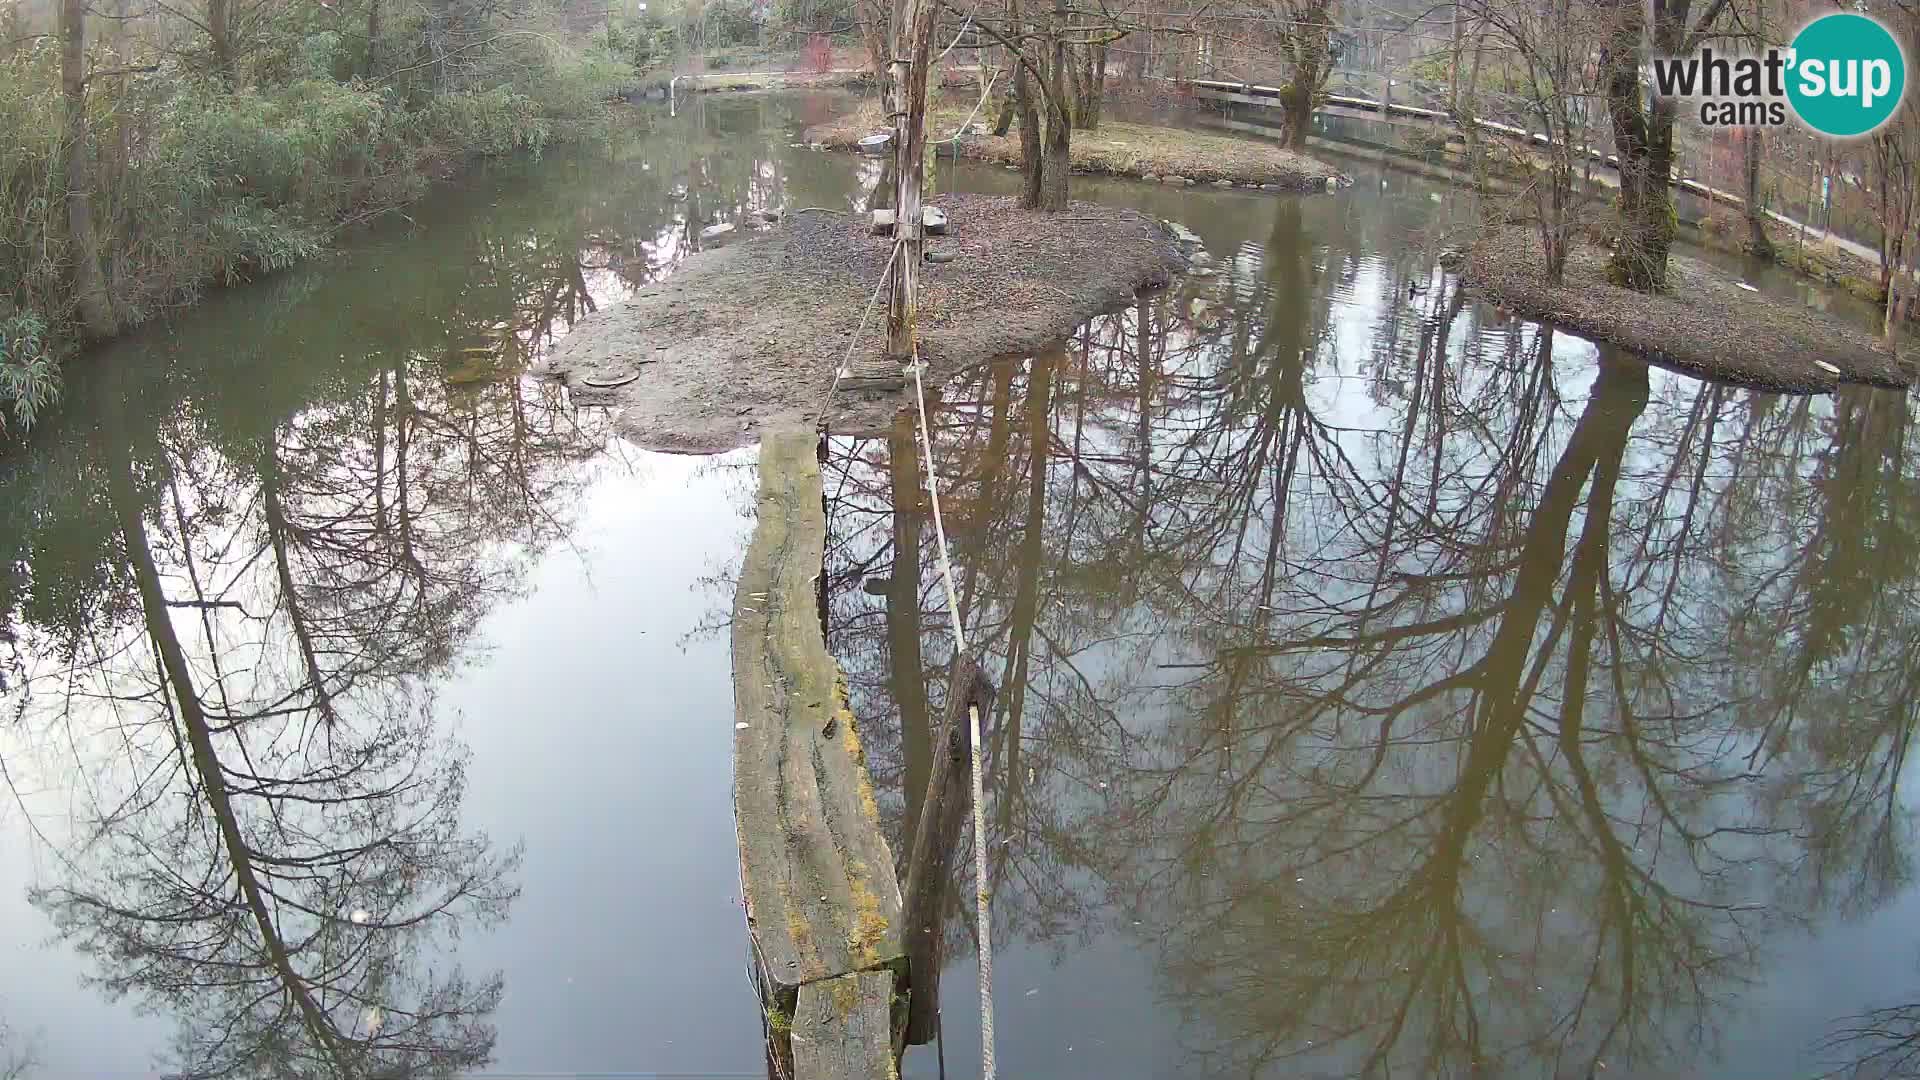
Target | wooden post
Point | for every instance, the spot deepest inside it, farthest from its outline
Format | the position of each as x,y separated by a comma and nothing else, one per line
909,68
930,867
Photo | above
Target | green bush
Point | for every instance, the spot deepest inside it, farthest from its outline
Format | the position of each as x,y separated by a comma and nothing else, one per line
199,181
28,382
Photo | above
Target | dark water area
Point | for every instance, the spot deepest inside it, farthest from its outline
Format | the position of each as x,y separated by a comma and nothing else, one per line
1388,686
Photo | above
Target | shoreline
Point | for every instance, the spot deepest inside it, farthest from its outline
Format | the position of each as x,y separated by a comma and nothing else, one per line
1705,325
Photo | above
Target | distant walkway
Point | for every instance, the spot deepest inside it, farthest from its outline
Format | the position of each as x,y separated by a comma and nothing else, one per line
1389,111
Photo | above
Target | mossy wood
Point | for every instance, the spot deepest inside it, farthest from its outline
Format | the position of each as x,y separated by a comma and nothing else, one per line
930,871
843,1028
816,873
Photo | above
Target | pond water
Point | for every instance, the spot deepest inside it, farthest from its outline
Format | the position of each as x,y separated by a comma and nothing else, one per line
1388,686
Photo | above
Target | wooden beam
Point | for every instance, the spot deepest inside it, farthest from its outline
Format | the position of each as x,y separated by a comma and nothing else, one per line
816,874
843,1028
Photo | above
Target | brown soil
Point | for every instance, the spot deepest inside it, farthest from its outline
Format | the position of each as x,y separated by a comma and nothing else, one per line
1704,324
750,335
1114,148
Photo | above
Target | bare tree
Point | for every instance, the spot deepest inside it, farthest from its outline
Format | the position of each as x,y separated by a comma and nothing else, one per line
1643,131
1545,49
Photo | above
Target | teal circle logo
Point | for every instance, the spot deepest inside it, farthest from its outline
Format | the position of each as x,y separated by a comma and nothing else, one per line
1847,74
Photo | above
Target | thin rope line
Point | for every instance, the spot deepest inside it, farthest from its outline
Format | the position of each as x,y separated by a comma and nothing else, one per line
841,371
982,913
956,41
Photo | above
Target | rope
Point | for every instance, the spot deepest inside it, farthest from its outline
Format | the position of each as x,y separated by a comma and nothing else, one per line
964,27
967,123
841,371
982,915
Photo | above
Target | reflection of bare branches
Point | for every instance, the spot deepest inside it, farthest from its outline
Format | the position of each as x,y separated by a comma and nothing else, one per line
17,1062
1876,1045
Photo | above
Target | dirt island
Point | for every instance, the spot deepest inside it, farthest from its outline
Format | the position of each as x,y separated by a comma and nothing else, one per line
750,335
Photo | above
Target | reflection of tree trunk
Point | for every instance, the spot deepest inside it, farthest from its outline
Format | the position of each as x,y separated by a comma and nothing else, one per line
999,434
1026,593
1595,448
1143,431
206,762
402,437
277,535
903,616
380,456
1627,385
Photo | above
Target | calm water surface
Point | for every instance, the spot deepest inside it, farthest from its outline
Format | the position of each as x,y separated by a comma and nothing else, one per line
1389,687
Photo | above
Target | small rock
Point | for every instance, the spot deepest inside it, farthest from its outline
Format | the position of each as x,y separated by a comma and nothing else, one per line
772,217
1223,183
713,231
1269,187
1150,178
883,223
1175,179
1188,181
934,219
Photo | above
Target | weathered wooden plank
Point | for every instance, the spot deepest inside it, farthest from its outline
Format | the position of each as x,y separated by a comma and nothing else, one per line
843,1028
816,873
930,876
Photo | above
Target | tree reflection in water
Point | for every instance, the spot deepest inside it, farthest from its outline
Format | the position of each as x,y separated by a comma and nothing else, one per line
241,598
1489,709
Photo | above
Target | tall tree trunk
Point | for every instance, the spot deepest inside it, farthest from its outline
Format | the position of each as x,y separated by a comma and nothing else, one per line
1757,240
1003,120
1031,165
1057,163
220,38
373,37
1644,145
89,284
1090,87
1312,55
910,163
